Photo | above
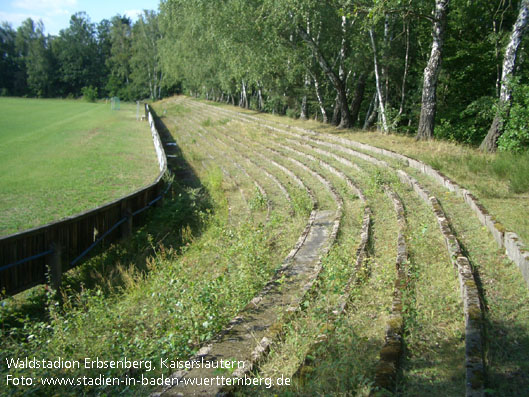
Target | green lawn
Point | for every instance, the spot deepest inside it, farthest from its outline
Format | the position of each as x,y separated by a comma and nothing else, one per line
61,157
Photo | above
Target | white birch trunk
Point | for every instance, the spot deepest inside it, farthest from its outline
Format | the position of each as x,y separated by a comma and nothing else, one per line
490,143
320,100
377,81
431,73
405,74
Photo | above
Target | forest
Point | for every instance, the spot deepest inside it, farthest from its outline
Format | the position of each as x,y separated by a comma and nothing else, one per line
449,69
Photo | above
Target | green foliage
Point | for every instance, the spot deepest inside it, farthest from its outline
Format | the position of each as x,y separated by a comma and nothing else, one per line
146,71
257,201
76,50
118,61
515,137
89,93
470,125
218,50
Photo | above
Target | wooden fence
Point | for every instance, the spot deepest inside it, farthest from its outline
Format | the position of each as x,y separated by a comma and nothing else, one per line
42,254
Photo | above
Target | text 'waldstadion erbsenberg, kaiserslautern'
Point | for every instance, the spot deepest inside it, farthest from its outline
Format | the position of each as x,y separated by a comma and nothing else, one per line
124,363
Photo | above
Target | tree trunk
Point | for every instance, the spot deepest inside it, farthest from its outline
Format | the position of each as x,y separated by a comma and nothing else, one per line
385,58
371,114
431,73
337,83
260,98
497,57
320,101
490,143
377,80
244,96
303,114
405,75
358,96
336,111
304,110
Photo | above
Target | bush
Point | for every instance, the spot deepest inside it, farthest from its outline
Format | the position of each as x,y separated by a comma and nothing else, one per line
89,93
515,137
468,126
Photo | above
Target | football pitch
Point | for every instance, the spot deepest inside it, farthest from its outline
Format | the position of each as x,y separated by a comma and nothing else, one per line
61,157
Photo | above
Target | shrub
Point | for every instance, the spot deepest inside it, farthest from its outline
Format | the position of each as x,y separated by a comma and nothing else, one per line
468,126
515,137
89,93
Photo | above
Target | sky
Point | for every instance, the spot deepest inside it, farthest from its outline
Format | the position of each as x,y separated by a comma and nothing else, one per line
55,14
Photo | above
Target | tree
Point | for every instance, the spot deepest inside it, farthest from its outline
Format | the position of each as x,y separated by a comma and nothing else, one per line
490,143
431,73
336,78
26,34
76,49
119,59
41,67
146,67
381,100
104,46
8,59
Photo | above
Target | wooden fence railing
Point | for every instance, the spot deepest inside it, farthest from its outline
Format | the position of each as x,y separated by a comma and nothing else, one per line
42,254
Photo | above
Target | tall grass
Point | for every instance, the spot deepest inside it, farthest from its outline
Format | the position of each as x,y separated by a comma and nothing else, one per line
515,168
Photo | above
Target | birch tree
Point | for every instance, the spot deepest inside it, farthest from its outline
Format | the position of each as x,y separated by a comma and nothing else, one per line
337,82
490,143
146,66
431,73
381,103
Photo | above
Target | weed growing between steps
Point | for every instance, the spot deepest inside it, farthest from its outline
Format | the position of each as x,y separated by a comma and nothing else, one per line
506,296
433,312
346,351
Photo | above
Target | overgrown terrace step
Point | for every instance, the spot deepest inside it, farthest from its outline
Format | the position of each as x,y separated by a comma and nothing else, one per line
248,336
241,168
221,160
388,366
470,295
272,177
515,249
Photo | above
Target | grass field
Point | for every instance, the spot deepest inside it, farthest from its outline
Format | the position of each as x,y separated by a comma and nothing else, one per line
61,157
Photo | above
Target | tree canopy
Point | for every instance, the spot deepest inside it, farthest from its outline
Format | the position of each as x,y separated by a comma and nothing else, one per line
357,64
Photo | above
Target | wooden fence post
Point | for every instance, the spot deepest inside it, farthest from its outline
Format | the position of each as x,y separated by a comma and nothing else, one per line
126,227
55,266
159,192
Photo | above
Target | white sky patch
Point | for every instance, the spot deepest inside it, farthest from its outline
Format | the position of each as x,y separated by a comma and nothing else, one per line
51,6
15,18
133,14
54,13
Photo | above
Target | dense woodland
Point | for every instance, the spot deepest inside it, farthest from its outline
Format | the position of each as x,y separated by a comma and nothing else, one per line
449,69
